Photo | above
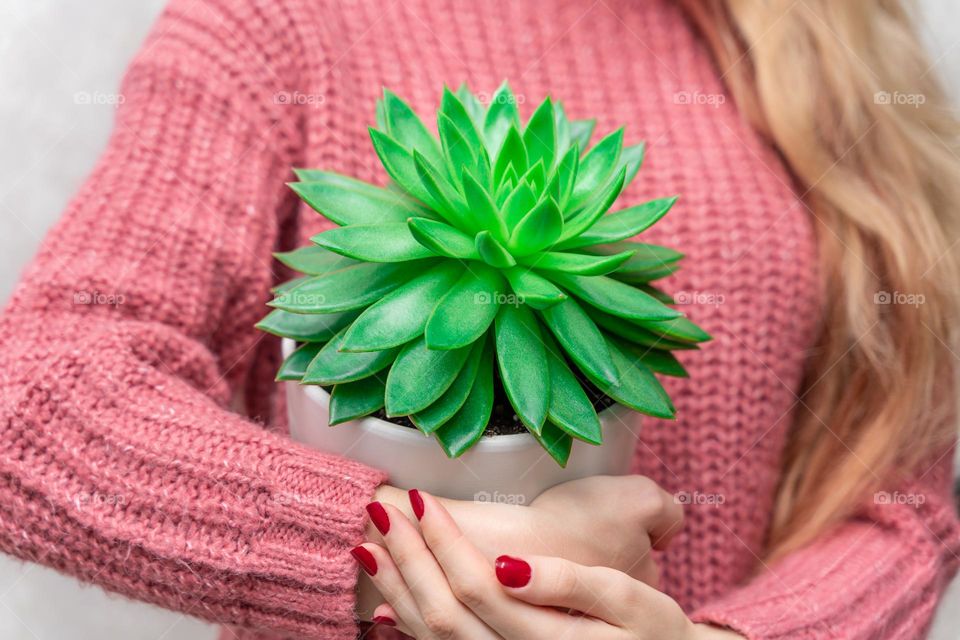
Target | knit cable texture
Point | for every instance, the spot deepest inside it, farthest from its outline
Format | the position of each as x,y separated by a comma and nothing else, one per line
143,445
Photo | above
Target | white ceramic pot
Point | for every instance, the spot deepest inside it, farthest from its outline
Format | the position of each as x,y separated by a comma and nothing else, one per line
504,468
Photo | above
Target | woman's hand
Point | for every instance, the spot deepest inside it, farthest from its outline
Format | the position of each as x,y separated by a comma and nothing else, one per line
439,585
613,521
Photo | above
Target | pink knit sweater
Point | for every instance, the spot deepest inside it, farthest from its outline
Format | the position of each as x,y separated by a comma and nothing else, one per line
126,458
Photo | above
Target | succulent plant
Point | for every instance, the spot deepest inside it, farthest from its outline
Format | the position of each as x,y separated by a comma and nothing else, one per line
488,268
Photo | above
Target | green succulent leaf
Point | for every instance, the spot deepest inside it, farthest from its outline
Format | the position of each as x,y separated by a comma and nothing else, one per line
518,204
381,115
581,131
540,136
538,230
492,252
576,263
581,339
597,166
443,239
347,201
556,442
346,289
453,108
646,259
398,162
593,212
570,408
444,198
402,315
473,106
333,366
536,176
615,297
638,388
622,224
387,242
462,431
420,376
512,154
305,327
484,213
501,115
352,400
523,364
533,289
313,260
561,184
289,285
680,329
465,309
407,128
630,331
438,413
563,127
632,159
295,365
660,361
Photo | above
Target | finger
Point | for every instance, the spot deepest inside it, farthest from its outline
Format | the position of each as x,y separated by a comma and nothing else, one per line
387,616
473,582
601,592
377,563
666,522
440,611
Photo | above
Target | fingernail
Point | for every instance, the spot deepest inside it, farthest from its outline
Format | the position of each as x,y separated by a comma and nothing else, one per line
416,501
512,572
379,517
385,620
366,560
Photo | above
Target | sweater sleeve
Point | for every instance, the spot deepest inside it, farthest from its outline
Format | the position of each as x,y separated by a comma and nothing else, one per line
120,461
879,575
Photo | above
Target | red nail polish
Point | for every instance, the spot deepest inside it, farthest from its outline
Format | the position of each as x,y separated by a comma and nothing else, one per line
366,560
384,620
416,501
512,572
379,517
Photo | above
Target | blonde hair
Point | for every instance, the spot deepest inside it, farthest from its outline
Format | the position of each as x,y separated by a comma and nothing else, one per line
847,95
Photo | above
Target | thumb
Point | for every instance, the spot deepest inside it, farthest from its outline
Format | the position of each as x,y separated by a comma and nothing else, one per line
600,592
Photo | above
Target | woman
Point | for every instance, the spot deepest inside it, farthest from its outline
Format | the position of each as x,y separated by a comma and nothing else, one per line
819,185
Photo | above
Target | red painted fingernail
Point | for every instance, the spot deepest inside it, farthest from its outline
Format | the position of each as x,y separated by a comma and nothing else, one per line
385,620
416,501
512,572
379,517
366,560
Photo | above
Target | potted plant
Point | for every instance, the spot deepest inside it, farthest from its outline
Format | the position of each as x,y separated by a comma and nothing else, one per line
485,302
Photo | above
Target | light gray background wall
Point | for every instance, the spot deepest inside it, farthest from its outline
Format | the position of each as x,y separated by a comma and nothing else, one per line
56,56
